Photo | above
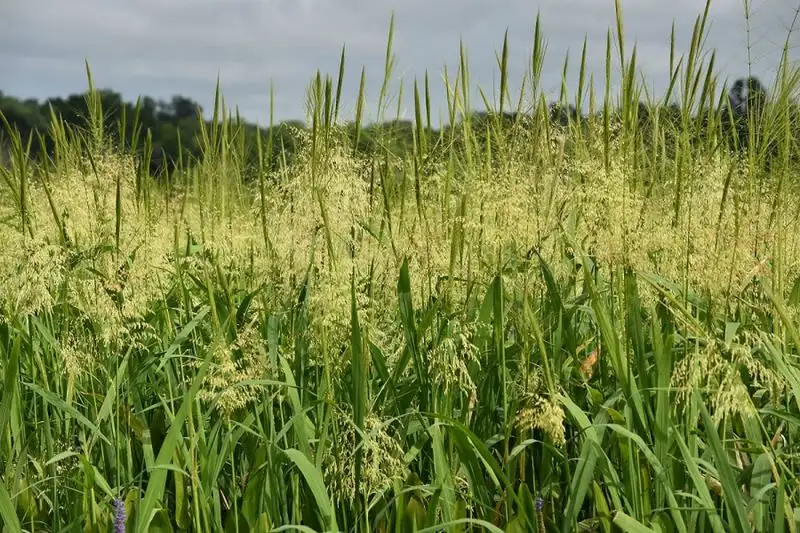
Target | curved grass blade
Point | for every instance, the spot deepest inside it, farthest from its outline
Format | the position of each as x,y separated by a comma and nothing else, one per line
630,524
9,516
700,485
59,403
158,477
730,488
317,486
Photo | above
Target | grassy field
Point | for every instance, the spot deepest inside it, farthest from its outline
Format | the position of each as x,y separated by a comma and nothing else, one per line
519,326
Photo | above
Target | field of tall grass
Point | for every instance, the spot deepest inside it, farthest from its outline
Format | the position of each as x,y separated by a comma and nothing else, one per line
520,326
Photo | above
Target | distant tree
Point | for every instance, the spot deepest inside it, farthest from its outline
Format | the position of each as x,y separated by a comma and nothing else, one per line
173,126
747,94
746,100
182,108
25,116
563,114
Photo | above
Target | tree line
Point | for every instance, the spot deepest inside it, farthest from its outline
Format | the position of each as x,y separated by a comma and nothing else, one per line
174,124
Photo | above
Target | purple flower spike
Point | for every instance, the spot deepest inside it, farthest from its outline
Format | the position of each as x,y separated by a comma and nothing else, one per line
540,515
119,516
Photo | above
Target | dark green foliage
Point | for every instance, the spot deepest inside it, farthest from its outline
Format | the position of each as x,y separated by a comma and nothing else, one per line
175,127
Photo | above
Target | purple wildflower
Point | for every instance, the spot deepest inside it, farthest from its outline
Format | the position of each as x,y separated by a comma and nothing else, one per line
119,516
539,514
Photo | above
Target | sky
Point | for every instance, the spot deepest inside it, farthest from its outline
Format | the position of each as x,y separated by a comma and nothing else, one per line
163,47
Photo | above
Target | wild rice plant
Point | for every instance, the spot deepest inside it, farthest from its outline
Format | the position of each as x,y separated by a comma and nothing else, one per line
524,324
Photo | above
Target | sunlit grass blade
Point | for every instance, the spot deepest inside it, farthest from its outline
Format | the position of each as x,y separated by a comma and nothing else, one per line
738,517
315,483
155,485
630,524
11,522
358,392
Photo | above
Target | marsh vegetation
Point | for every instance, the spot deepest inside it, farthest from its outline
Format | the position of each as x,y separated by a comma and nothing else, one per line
515,324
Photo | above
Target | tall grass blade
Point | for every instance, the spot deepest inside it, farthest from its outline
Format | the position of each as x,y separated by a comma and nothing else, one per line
314,480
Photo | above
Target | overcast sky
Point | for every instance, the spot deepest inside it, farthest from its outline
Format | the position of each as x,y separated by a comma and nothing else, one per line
162,47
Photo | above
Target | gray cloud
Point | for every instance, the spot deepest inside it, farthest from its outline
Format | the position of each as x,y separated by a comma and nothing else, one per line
162,47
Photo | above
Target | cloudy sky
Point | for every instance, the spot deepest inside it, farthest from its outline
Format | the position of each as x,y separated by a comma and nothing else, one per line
162,47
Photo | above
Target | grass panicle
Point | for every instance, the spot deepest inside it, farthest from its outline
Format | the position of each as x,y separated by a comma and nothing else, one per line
570,317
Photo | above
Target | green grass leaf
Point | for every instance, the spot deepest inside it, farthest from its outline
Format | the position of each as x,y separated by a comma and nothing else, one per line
630,524
7,513
314,480
158,477
730,488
